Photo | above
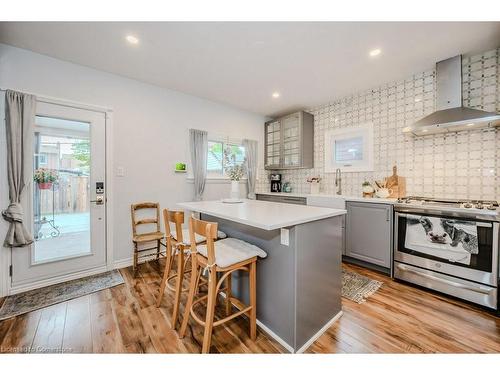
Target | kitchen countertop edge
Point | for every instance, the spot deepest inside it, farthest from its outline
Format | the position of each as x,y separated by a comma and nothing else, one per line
345,197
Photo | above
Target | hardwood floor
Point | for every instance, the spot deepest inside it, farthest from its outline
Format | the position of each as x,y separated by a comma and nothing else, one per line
397,319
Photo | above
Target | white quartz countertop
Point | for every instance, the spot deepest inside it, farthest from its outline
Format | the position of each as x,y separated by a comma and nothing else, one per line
345,197
262,214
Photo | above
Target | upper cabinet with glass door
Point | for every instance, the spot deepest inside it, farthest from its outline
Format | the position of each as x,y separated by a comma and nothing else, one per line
273,144
289,142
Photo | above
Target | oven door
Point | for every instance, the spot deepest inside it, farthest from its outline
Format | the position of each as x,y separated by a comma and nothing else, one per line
467,249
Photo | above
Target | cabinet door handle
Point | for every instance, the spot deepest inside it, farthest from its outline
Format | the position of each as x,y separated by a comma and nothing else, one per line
387,211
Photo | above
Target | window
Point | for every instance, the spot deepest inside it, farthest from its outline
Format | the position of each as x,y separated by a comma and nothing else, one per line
215,157
42,159
350,149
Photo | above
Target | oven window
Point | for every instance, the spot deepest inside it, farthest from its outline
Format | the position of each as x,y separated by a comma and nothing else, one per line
450,240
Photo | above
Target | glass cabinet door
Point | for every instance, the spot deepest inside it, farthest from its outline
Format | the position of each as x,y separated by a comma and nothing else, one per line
291,141
273,144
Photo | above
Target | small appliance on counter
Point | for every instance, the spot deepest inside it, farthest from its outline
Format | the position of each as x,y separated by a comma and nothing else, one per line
287,188
275,182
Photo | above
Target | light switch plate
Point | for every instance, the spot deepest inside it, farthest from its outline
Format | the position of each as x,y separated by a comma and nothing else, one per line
285,237
120,171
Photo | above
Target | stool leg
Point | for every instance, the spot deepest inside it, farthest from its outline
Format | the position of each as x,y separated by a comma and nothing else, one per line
209,320
253,300
178,288
168,265
228,295
192,290
157,249
135,259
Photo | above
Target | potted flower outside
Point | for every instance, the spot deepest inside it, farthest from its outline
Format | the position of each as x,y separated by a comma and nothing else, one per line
45,178
234,171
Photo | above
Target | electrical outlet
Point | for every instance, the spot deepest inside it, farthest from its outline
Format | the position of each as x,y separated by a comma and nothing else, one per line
285,237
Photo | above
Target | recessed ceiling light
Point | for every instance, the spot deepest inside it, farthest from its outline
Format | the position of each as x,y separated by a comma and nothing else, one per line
375,52
132,39
276,95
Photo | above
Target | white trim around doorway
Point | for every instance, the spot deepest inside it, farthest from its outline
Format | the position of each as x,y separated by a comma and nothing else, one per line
6,288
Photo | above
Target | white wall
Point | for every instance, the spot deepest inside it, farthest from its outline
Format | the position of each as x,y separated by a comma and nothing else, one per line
150,130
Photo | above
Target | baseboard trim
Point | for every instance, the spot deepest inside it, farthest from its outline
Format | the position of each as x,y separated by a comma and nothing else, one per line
304,347
275,336
123,263
55,280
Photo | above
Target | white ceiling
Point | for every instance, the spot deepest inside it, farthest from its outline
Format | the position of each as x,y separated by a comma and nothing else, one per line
242,64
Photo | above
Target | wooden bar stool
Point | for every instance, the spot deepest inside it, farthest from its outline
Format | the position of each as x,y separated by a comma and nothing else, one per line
178,247
147,237
225,256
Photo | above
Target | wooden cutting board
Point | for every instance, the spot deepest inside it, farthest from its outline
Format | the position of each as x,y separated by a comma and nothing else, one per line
397,184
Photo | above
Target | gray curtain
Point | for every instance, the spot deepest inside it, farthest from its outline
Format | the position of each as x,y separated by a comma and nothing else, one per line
198,145
251,165
20,110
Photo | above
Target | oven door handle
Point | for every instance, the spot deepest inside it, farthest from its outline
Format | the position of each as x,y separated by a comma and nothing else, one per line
444,281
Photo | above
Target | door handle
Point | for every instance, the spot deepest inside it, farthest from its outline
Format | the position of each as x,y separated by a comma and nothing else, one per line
98,200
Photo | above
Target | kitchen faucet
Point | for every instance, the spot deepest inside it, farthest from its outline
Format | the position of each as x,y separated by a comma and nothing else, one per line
338,182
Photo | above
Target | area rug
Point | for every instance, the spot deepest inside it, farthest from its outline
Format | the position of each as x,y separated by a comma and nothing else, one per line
38,298
357,287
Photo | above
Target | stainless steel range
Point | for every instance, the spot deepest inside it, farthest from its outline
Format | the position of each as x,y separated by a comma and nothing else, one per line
450,246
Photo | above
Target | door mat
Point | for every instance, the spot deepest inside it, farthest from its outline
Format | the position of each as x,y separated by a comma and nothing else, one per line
357,287
38,298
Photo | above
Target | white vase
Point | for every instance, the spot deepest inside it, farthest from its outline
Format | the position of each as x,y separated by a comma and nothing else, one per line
314,188
235,189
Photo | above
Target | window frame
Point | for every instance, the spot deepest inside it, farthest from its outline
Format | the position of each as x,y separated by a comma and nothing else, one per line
365,164
225,143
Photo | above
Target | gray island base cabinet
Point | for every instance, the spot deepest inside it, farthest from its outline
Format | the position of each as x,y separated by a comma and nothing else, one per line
299,283
369,234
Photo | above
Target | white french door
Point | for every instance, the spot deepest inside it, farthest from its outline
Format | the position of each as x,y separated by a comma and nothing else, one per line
66,199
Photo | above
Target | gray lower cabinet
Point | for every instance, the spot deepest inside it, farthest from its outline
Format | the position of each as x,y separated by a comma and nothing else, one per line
369,232
282,199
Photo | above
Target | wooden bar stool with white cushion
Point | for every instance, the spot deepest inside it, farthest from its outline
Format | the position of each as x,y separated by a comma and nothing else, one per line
225,257
178,243
154,235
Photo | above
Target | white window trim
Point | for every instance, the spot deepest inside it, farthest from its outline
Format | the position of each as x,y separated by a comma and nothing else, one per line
366,165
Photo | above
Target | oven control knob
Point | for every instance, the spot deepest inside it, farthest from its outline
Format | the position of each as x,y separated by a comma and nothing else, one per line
491,207
479,206
467,205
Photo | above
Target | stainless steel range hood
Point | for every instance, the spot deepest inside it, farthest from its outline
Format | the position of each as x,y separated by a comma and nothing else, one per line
451,116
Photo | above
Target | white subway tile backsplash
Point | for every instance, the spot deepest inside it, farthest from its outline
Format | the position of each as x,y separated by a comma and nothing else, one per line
454,165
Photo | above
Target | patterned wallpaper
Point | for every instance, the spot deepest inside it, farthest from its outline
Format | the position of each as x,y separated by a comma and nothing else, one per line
455,165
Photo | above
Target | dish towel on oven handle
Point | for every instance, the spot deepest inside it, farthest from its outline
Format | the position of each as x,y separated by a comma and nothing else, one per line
457,238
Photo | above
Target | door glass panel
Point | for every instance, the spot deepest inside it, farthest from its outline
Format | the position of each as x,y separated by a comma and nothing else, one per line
61,191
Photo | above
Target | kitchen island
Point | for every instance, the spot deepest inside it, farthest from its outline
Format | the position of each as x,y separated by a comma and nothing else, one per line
299,282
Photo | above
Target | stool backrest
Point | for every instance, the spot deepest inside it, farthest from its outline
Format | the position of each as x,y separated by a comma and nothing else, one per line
177,218
145,221
206,229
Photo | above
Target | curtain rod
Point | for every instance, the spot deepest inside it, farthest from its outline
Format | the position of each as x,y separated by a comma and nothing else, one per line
63,102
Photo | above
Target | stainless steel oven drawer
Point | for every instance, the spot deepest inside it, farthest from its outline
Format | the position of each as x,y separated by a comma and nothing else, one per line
489,278
481,294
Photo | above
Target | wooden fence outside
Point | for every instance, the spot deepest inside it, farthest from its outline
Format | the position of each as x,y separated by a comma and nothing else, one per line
70,194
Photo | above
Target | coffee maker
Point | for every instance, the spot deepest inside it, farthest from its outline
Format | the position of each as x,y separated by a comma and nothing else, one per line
275,182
